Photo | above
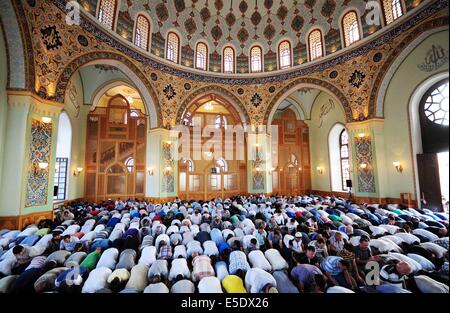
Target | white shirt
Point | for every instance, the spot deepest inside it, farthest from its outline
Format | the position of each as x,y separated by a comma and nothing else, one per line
210,248
256,279
258,260
97,280
148,255
108,258
180,250
194,246
209,285
221,270
179,267
276,260
246,241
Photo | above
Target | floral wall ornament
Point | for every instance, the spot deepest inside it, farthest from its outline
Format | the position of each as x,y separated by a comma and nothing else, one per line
365,164
256,100
169,92
40,148
168,163
357,79
51,37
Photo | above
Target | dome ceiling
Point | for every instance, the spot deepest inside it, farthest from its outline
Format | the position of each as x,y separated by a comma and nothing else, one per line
241,23
238,23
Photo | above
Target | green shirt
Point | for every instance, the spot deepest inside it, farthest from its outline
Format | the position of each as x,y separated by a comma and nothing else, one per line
91,260
42,232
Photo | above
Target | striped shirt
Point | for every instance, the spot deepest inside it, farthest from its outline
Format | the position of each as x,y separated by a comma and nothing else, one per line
37,262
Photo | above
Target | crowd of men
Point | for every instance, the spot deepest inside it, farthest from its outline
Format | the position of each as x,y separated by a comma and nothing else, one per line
255,244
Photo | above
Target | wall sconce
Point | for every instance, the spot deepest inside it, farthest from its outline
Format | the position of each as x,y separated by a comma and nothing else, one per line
319,170
300,169
150,171
167,170
398,166
361,135
77,171
46,120
363,166
40,167
258,169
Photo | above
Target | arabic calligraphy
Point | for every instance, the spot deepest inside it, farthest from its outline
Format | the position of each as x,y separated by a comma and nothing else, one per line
434,59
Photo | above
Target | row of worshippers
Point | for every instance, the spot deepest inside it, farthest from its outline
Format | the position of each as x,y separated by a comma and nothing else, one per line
244,244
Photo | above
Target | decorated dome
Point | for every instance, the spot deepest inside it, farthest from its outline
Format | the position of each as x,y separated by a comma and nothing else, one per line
241,37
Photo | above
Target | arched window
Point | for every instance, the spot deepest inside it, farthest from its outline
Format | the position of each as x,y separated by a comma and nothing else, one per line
142,32
228,60
221,122
107,12
315,45
284,54
256,59
436,105
221,166
201,56
339,153
173,46
350,28
129,163
392,10
345,158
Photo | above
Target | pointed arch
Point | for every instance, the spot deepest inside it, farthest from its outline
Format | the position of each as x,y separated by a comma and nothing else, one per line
149,95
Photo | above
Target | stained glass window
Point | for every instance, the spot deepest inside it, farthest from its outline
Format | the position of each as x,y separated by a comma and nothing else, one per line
173,44
436,106
107,12
228,60
392,10
284,54
256,59
350,28
201,59
315,45
142,34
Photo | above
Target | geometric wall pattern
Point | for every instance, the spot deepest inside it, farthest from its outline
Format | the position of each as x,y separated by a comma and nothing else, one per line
365,164
168,179
40,152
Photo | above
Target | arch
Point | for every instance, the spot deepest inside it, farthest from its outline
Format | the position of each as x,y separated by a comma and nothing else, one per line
101,90
393,63
307,82
298,110
216,90
149,95
414,122
19,54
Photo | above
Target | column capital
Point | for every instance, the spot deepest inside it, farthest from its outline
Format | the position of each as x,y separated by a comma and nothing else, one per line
365,126
32,101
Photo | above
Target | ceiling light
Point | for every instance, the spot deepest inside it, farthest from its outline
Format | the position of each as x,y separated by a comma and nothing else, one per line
209,106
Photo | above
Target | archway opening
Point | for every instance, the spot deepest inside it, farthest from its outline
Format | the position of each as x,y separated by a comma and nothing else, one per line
216,164
433,159
116,145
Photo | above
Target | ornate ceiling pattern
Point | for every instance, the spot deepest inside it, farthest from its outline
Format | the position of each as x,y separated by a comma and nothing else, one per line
241,24
59,50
